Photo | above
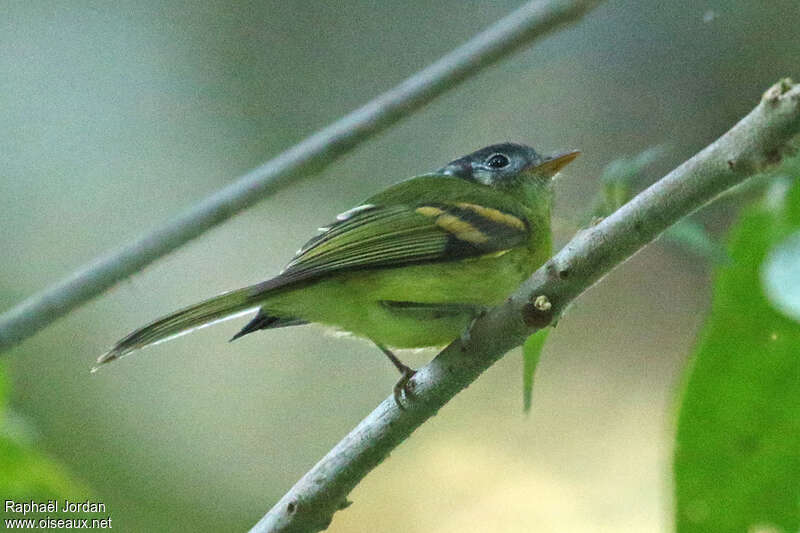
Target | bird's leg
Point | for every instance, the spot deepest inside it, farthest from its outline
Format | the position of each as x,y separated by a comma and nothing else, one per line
401,387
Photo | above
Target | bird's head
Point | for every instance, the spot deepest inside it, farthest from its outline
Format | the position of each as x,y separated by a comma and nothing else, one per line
507,165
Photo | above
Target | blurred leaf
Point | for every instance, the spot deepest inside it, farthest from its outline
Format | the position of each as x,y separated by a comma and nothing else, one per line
737,455
619,181
3,392
693,237
781,276
26,474
628,169
531,351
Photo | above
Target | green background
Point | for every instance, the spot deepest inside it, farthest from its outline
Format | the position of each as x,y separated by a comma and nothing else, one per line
116,116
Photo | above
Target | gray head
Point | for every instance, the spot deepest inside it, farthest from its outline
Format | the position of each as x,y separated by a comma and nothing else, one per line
504,164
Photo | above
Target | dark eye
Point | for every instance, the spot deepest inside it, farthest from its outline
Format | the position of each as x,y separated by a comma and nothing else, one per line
497,161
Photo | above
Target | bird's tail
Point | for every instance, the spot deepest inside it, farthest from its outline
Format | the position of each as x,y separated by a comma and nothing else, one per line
223,307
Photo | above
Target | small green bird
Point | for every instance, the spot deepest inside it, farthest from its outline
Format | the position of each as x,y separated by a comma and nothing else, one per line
410,267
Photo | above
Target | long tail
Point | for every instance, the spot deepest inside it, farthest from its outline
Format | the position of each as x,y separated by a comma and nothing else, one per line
223,307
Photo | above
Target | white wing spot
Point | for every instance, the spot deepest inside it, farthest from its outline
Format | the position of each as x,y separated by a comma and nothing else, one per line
350,212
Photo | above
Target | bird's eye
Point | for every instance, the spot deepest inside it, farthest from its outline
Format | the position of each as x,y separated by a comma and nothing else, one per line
497,161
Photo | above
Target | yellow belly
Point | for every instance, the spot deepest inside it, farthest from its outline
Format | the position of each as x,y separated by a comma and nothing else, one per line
355,301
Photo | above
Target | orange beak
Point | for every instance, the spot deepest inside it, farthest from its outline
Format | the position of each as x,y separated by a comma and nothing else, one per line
552,165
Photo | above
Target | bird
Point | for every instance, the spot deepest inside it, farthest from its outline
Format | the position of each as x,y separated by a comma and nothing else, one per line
410,267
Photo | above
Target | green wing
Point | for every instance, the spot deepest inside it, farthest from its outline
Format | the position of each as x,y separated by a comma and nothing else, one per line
406,224
374,236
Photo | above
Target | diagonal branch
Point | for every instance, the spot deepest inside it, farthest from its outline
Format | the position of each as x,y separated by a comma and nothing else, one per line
758,141
531,21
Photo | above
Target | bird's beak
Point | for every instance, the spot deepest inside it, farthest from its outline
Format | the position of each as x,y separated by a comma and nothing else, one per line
552,165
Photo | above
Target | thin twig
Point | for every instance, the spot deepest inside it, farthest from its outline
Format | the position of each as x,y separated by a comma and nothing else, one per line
533,20
756,142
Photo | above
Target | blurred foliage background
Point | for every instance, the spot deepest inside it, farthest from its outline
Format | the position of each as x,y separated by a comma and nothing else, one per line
118,115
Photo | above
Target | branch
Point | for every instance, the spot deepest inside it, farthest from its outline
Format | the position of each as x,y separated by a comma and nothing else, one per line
531,21
758,141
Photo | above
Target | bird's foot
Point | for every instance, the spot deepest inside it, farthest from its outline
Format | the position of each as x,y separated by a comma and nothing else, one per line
402,388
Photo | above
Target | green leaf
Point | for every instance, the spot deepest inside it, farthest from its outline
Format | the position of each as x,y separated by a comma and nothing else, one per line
693,237
737,452
25,473
3,392
28,475
619,179
781,276
531,351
